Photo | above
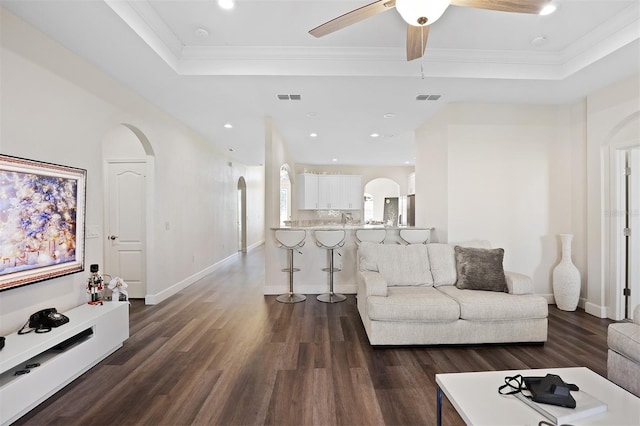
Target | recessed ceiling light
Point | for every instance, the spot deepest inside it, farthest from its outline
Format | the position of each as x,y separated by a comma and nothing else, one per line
334,159
201,33
407,162
539,41
226,4
548,9
389,115
374,135
228,126
313,135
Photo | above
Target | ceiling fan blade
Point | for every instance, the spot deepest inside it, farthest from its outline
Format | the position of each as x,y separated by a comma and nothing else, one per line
416,41
352,17
521,6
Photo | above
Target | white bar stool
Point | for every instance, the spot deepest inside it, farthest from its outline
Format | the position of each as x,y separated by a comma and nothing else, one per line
291,239
371,235
330,240
415,236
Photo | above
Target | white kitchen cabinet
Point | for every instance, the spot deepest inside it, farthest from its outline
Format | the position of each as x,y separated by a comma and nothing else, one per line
329,192
351,192
307,191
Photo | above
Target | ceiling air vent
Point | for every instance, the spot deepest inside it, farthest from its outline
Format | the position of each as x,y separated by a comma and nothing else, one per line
289,97
427,97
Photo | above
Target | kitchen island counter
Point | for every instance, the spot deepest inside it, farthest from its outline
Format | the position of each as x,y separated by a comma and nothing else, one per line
354,227
311,259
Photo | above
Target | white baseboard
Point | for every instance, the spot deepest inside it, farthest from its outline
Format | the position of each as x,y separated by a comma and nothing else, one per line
590,308
154,299
255,245
595,310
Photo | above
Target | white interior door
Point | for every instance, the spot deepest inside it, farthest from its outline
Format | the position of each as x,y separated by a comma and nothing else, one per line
634,225
126,225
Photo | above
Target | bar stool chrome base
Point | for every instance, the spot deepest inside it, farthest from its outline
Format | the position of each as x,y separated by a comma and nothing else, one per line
331,297
290,240
330,240
291,298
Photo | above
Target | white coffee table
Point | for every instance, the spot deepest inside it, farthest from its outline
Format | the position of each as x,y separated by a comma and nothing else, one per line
476,399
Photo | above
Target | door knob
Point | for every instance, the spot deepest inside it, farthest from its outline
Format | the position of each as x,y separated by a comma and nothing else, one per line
113,237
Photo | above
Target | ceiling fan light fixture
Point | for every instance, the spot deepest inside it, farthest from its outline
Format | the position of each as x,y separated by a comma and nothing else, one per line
421,12
226,4
548,9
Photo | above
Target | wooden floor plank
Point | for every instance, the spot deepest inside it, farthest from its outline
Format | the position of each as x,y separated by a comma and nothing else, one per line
221,353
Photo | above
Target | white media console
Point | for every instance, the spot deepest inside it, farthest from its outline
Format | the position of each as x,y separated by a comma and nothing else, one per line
92,334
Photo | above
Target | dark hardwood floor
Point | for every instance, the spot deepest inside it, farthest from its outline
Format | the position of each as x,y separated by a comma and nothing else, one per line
221,353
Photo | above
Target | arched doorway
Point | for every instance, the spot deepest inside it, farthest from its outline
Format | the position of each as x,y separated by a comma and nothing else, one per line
285,195
128,164
382,202
242,215
622,221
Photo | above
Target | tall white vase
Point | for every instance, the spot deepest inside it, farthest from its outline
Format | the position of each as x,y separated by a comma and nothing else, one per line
566,278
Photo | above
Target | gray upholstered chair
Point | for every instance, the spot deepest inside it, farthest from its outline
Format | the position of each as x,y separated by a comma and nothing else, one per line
623,359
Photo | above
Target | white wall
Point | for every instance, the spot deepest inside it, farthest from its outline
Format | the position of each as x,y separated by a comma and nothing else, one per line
276,156
58,108
431,176
519,175
502,173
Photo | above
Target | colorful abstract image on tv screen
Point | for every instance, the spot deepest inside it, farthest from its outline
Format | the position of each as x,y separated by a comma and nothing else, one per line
37,221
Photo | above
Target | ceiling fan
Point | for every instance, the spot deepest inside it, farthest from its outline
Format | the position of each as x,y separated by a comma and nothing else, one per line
419,14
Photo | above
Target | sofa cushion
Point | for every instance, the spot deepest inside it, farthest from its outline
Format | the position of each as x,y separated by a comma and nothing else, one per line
480,305
413,303
480,269
442,258
399,265
624,338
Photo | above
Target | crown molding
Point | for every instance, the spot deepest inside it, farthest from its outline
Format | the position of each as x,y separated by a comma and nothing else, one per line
613,34
144,21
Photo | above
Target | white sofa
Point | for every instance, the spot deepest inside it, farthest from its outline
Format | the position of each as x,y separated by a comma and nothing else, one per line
407,295
623,359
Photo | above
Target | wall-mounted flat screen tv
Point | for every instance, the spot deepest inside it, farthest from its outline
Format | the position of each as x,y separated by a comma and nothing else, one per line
42,207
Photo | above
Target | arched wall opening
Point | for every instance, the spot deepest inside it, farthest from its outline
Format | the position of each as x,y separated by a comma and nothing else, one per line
242,215
128,175
286,189
382,202
620,230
